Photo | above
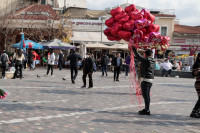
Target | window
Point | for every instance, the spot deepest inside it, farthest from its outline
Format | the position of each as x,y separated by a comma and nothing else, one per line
164,31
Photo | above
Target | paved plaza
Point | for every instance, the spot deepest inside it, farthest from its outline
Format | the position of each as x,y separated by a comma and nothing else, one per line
52,105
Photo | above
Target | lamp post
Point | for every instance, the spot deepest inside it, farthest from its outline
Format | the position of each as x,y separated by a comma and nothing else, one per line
22,33
102,17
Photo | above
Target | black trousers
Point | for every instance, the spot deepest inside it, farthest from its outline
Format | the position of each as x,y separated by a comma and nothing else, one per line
90,79
50,67
25,62
116,73
18,69
146,86
3,71
74,73
197,105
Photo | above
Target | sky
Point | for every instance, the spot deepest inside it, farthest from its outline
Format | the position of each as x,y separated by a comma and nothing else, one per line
187,11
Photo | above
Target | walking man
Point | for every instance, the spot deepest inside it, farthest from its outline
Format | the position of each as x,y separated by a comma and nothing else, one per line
127,61
147,75
74,58
4,61
87,64
117,63
104,64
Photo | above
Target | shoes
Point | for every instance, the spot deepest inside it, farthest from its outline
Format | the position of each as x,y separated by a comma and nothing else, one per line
46,75
195,114
106,74
73,82
13,78
84,86
89,87
144,112
117,80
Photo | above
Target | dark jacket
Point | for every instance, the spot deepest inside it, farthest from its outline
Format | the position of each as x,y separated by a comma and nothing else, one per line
147,65
114,62
88,65
74,58
60,57
104,60
30,57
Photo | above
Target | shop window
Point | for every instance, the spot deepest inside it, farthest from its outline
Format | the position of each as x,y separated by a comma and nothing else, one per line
164,31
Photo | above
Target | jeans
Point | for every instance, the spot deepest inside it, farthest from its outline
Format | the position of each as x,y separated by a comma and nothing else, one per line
33,64
90,79
165,71
197,105
104,69
50,67
74,75
60,63
146,86
18,69
127,70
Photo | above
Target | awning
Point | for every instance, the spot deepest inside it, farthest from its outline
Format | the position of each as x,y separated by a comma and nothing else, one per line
96,45
90,37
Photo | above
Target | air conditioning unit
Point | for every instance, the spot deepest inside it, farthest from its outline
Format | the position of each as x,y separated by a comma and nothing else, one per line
49,22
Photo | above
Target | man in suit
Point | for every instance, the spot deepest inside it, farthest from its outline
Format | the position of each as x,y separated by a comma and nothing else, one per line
88,66
117,63
74,58
104,64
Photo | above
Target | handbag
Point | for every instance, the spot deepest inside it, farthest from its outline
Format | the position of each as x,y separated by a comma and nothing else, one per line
18,62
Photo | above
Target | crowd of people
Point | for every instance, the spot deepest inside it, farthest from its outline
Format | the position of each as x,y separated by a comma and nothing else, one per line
145,66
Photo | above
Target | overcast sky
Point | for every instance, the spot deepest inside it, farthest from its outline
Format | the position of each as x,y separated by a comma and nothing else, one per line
187,11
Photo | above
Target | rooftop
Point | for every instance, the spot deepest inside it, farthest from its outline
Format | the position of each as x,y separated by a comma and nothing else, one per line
184,29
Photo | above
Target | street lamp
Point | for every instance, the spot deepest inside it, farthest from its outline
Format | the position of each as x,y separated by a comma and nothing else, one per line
22,33
102,17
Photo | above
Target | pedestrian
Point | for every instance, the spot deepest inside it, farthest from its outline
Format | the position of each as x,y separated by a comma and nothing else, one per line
18,57
60,60
51,61
127,61
104,64
34,59
147,75
74,58
25,60
88,65
30,59
117,63
196,72
166,68
4,63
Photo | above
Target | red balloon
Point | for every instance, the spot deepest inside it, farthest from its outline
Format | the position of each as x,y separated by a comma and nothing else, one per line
116,11
30,46
144,12
137,36
136,16
107,32
130,8
129,26
115,29
166,39
113,38
124,19
126,35
154,37
153,28
150,17
110,22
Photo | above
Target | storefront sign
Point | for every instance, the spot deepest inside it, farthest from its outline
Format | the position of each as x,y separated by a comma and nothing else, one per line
186,41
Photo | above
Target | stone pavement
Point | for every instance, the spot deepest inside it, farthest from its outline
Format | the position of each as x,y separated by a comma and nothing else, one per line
51,105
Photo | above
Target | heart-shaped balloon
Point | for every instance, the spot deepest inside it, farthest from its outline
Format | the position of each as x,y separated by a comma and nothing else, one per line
107,32
154,36
150,17
136,16
166,39
116,11
129,26
115,29
130,8
137,36
141,23
113,38
144,12
110,22
124,19
125,35
153,28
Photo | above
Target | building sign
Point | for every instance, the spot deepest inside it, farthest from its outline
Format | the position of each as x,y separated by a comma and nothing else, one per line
87,25
182,41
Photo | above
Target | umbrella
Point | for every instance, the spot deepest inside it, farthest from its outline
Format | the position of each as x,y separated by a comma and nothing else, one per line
58,44
28,44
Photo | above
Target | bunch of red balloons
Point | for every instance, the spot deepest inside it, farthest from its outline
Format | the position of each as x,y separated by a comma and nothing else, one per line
136,27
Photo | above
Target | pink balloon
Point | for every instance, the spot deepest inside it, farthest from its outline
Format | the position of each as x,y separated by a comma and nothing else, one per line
130,8
110,22
140,24
126,35
116,11
137,36
129,26
166,39
154,36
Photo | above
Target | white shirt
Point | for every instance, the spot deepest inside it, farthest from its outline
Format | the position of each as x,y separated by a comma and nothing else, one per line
51,60
166,65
